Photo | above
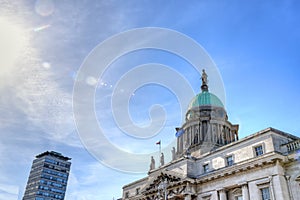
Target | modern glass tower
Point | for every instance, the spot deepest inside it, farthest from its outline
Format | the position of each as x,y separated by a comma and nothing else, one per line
48,177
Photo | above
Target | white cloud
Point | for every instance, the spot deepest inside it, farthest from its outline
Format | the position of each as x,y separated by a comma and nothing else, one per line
97,182
27,88
8,192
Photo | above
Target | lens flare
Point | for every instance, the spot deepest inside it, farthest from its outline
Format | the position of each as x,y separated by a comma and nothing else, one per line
44,7
92,131
46,65
41,28
13,42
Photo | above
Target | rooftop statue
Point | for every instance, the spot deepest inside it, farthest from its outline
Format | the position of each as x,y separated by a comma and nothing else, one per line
152,165
162,159
204,77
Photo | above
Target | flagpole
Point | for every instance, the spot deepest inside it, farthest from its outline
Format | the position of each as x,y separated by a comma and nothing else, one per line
159,143
159,147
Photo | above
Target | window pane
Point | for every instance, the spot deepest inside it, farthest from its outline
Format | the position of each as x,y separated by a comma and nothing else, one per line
229,160
265,194
239,198
258,150
205,168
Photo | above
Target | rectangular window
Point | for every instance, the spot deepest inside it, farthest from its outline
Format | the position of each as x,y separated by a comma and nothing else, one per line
258,150
127,195
229,160
205,168
265,193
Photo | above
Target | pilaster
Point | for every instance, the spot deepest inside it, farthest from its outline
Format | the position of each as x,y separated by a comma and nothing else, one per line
222,194
245,192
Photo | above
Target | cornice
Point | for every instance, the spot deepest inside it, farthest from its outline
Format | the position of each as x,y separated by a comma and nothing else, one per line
242,167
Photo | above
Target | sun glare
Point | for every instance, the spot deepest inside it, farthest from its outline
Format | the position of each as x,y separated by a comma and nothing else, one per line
13,41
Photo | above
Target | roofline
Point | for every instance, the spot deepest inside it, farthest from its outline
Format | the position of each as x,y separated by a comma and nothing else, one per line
53,153
273,130
259,133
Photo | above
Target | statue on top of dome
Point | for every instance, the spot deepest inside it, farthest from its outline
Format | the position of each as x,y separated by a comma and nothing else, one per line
204,77
204,86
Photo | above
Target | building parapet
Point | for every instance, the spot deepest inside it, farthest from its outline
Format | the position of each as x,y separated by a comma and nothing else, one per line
293,146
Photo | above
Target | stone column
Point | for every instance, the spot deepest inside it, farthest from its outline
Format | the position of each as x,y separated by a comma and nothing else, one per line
214,131
220,134
180,143
222,194
245,192
223,135
231,136
227,135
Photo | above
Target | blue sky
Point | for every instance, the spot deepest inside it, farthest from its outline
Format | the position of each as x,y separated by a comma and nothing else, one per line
43,43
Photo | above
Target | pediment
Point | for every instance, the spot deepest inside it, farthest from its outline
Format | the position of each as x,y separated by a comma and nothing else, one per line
164,177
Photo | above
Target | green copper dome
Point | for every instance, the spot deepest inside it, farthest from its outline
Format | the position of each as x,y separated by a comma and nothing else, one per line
205,98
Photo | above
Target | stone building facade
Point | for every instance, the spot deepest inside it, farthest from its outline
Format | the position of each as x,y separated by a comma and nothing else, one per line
212,163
